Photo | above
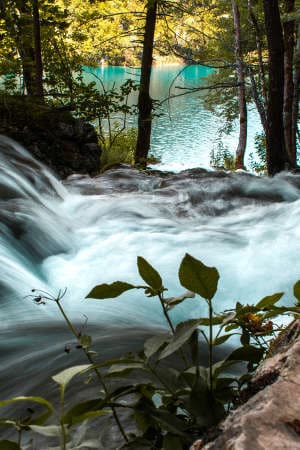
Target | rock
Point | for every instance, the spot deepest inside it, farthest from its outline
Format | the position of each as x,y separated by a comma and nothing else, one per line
66,144
270,419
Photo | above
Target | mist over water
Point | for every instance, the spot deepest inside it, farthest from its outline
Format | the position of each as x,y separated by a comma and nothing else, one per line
87,231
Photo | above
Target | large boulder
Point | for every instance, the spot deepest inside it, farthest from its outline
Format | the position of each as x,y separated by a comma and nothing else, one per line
270,419
66,144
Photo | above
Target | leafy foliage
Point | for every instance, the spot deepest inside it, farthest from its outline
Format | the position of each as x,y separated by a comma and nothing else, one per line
177,395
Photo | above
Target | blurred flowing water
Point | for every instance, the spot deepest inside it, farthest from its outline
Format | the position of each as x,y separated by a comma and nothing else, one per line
87,231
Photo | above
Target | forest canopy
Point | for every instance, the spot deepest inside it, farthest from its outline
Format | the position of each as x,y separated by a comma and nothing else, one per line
253,45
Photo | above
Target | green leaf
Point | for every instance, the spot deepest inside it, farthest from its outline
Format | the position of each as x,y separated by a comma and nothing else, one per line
197,277
205,321
269,301
222,366
39,400
149,274
103,291
64,377
49,430
153,344
82,408
297,290
246,353
221,339
173,301
122,369
9,445
182,334
169,422
245,338
172,442
203,406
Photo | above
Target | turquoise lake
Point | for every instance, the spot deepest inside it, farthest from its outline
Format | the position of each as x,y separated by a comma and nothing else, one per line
185,133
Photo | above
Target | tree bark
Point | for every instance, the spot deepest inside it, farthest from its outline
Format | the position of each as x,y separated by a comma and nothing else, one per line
145,102
288,35
258,38
276,154
39,89
240,152
296,95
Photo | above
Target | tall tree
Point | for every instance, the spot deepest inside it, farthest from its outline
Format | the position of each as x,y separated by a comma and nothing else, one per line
296,96
145,101
39,89
289,42
240,152
275,142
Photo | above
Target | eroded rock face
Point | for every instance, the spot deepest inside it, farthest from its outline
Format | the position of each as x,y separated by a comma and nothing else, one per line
65,144
270,419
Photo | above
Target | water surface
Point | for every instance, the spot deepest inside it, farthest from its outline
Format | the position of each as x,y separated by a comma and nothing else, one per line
185,133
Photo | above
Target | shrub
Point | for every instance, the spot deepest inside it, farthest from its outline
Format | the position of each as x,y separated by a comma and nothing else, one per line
222,158
119,148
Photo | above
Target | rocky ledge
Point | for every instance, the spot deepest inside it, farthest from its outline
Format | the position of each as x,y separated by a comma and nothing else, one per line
65,144
270,419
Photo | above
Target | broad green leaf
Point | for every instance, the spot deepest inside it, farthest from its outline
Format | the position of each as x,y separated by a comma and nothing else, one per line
64,377
232,326
153,344
49,430
221,339
269,301
205,321
103,291
182,334
113,361
246,353
173,301
297,290
122,369
39,400
245,338
82,408
169,422
9,422
149,274
222,366
9,445
197,277
172,442
203,406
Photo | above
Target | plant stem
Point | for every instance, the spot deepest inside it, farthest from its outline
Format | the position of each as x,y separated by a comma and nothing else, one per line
62,425
210,345
166,314
161,299
97,372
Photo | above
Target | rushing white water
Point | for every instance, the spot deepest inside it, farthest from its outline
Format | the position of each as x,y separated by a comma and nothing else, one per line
89,231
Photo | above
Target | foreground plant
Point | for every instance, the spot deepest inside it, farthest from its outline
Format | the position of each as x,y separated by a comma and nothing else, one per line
178,396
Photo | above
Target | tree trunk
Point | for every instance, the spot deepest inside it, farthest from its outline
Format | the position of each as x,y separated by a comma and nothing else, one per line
258,38
39,90
276,154
240,152
296,83
288,35
144,100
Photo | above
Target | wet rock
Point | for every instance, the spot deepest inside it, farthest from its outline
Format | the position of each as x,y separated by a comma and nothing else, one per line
270,419
66,144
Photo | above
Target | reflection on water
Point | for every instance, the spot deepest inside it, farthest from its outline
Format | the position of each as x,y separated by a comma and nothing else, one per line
185,133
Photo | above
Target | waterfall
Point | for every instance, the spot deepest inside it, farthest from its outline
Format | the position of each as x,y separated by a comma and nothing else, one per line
85,231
